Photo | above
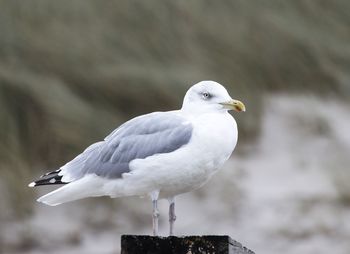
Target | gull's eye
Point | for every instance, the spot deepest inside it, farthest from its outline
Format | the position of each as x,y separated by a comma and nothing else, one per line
206,95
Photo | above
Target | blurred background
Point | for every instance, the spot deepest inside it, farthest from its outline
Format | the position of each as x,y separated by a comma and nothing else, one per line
72,71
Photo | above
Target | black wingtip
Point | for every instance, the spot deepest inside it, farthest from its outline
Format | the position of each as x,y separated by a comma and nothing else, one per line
49,178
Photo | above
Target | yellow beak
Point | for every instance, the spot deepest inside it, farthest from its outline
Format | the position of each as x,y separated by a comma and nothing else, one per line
234,104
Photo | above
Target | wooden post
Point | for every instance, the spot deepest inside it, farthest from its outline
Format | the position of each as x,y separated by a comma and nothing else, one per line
209,244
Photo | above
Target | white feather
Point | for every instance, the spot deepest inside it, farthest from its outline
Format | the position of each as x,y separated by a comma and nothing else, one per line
88,186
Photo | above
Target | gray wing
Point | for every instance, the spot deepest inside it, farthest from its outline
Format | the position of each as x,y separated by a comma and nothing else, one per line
155,133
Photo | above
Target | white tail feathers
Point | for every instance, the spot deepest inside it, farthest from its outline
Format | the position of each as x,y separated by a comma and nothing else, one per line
88,186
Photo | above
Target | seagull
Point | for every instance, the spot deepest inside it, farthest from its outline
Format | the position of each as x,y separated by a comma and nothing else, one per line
161,154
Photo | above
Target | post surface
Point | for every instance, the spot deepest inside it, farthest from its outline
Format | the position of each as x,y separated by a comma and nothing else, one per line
209,244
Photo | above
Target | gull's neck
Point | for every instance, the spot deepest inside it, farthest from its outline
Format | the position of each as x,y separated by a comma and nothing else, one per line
194,109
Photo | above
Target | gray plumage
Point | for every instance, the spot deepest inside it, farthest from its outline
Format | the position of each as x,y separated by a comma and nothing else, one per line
155,133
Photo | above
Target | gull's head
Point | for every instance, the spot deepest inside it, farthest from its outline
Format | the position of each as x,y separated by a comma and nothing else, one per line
207,96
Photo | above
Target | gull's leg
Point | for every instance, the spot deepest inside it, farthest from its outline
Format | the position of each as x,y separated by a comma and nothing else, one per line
155,215
172,216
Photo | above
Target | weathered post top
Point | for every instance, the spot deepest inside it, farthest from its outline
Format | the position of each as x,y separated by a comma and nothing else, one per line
210,244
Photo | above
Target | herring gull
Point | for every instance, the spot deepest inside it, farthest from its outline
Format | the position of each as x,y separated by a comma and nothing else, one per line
161,154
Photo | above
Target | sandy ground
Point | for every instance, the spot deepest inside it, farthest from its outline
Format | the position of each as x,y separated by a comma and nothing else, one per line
286,193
